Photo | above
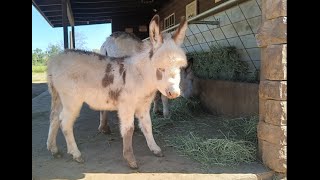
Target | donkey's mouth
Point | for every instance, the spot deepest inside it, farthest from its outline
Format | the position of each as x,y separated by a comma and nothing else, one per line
172,94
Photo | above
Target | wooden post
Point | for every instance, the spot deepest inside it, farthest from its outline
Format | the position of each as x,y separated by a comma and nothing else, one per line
70,40
64,23
73,39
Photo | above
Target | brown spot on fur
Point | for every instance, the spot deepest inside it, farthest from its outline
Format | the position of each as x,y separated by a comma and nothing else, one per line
101,57
119,60
114,95
124,77
140,47
159,74
109,67
121,69
150,54
108,77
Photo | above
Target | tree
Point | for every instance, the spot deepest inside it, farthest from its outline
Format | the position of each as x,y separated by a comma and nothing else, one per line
38,57
53,49
80,41
96,50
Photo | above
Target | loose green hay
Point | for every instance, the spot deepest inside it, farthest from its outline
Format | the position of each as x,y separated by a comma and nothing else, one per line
222,63
208,139
215,151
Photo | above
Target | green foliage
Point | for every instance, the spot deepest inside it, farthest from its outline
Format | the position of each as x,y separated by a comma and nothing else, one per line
53,49
40,58
39,69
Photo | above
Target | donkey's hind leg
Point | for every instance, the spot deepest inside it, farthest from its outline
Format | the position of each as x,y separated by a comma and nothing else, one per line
104,127
56,108
70,111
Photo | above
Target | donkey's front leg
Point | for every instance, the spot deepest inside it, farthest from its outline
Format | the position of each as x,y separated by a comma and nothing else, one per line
126,117
165,106
156,102
143,115
103,126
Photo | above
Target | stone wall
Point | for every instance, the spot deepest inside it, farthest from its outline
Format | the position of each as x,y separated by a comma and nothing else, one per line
272,128
229,98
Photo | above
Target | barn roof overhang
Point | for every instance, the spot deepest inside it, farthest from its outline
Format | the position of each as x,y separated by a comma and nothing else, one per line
87,12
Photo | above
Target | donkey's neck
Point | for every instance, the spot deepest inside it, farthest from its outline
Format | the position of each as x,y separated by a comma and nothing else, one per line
145,71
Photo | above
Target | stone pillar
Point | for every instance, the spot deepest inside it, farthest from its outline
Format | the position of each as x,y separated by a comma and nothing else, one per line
272,127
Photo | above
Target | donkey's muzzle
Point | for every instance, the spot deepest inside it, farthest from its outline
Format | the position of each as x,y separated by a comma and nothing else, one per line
172,94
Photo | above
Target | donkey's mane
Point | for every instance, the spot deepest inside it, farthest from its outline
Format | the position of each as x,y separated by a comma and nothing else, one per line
91,53
125,35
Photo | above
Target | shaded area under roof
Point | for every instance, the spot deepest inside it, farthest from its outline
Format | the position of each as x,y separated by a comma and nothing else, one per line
87,12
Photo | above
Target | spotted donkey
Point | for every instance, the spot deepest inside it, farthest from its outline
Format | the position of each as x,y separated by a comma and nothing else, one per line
127,85
122,44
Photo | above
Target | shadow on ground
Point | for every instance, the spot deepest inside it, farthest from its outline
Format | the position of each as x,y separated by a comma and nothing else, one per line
103,153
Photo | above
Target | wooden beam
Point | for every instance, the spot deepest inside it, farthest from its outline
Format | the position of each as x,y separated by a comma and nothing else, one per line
43,15
70,13
47,5
110,10
88,14
82,23
112,5
99,1
47,2
64,23
55,16
48,14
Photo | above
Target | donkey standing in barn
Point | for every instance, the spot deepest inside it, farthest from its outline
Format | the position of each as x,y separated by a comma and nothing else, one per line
122,44
127,85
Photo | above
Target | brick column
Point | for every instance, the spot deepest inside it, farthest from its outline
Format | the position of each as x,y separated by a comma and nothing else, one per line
272,127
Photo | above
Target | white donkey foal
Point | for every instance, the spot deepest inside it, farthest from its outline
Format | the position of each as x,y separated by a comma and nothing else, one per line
122,44
127,85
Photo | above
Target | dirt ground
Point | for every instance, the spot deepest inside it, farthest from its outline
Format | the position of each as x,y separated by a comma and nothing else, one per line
103,153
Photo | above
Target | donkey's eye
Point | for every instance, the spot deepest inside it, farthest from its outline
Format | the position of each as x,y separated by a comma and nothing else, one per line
172,75
161,69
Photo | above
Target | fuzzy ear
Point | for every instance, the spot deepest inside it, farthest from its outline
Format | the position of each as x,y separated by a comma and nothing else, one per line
181,31
154,32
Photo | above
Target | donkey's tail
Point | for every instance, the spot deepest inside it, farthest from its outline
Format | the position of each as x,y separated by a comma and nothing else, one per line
55,99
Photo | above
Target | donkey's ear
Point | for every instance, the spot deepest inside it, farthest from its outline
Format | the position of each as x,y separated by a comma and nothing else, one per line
181,31
154,31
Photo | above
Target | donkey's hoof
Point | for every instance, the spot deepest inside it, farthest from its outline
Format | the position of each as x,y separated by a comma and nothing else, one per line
133,165
167,115
104,129
158,153
159,113
57,155
79,159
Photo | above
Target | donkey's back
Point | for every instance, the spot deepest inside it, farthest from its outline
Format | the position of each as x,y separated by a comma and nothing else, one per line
84,75
120,44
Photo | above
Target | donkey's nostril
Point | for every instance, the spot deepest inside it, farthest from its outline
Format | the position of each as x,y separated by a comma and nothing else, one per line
169,93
